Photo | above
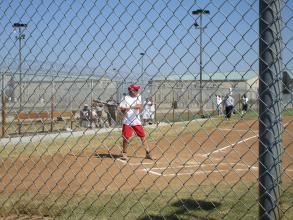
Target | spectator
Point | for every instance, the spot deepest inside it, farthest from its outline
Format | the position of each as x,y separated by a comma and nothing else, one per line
229,106
219,105
153,111
244,101
174,104
147,114
111,111
85,115
98,113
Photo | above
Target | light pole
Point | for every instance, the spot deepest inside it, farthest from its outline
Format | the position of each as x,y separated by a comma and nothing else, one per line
199,26
142,70
20,37
119,86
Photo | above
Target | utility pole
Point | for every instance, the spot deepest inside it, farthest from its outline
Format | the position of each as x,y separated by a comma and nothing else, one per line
20,37
199,26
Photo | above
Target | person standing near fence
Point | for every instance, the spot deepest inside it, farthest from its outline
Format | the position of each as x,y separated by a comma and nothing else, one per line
130,106
244,101
219,105
99,108
146,114
152,110
111,111
229,106
84,116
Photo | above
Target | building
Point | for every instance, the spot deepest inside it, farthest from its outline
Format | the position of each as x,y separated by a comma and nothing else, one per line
63,92
185,90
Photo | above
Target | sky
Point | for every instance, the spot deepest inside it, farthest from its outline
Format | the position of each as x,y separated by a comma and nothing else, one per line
95,37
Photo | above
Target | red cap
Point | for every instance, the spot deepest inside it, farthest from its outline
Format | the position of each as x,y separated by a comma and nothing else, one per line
134,87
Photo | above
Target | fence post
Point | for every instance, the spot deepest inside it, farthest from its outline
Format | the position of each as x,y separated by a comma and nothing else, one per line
270,131
91,97
3,107
173,106
52,106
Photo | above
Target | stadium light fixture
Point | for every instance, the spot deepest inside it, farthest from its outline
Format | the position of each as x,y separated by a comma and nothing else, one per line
200,13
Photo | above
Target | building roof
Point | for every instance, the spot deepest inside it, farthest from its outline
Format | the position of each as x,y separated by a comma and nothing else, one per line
27,77
219,76
226,76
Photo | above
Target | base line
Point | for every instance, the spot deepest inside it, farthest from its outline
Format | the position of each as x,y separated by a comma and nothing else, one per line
195,173
202,166
231,145
239,130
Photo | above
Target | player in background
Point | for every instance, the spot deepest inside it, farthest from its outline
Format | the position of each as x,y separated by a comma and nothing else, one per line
147,114
219,104
244,101
229,106
130,107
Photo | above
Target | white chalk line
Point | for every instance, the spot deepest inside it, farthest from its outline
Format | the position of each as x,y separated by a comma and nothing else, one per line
202,165
238,142
152,172
231,145
197,164
122,161
142,163
195,173
243,130
157,162
137,164
238,130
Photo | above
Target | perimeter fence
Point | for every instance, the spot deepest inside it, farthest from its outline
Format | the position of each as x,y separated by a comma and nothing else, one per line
66,67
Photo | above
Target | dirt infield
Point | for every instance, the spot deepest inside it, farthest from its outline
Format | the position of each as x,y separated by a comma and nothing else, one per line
227,153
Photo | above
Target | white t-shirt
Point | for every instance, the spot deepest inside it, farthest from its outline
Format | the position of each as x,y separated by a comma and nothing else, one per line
219,100
229,101
147,110
244,100
132,115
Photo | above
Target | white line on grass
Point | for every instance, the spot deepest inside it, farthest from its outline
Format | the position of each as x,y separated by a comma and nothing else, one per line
229,146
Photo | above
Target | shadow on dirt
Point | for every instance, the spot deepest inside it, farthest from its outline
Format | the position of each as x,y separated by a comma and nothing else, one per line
108,155
186,209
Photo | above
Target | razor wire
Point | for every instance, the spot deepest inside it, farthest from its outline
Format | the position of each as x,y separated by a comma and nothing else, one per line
66,68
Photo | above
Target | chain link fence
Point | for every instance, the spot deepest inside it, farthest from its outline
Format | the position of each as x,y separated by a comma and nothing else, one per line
66,67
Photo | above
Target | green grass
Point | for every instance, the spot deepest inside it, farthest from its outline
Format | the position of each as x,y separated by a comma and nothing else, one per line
223,201
288,112
168,117
88,144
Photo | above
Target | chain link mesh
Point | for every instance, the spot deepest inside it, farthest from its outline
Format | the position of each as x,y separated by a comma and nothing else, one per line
66,67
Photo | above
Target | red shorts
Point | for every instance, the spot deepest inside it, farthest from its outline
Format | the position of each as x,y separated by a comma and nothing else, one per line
127,131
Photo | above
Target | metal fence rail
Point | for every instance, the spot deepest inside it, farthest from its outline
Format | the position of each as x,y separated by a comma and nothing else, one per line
208,135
